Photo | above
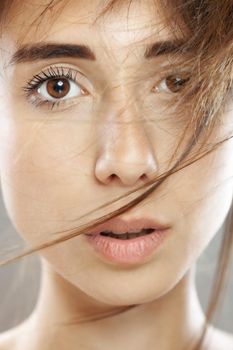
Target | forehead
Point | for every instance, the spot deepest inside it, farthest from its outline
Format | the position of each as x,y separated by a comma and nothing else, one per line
131,24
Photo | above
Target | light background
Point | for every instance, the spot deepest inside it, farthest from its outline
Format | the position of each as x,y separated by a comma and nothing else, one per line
20,281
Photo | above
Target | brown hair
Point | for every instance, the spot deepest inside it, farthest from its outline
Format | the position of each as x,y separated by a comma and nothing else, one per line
207,29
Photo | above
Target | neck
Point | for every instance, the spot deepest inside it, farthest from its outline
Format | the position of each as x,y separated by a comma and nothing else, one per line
66,315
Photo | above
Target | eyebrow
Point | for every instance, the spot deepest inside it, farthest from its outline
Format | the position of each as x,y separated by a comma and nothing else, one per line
43,51
165,47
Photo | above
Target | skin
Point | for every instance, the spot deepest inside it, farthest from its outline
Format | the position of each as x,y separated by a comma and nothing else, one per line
56,165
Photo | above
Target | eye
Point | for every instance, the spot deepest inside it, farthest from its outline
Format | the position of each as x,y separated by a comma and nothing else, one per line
59,88
172,84
55,87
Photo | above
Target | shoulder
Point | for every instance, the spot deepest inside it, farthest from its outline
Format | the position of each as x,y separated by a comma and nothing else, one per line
10,338
219,340
7,340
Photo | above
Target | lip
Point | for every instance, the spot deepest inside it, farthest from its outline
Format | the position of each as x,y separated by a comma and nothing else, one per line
130,251
120,226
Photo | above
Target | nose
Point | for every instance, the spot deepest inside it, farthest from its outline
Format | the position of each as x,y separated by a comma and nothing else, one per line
125,155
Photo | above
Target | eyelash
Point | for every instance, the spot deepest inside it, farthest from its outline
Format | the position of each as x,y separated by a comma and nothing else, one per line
52,72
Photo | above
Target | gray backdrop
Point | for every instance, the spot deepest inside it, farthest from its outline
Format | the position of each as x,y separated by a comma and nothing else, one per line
20,281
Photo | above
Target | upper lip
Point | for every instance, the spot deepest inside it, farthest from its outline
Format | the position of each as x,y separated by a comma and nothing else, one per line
120,226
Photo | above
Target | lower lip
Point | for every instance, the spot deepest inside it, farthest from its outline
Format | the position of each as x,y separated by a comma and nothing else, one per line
133,250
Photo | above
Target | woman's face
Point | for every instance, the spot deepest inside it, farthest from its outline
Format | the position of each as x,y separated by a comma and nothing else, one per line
61,144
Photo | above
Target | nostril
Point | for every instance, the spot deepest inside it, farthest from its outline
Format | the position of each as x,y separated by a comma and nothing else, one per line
114,177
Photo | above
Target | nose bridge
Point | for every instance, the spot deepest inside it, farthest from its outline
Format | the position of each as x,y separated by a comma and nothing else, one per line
125,152
122,120
121,102
119,114
119,90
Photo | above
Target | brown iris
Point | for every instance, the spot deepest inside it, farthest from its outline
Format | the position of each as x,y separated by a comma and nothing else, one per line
175,83
58,88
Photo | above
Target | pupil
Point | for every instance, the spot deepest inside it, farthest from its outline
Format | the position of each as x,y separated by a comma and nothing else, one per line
58,88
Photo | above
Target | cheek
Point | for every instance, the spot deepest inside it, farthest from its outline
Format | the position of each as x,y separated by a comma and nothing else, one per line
203,193
45,175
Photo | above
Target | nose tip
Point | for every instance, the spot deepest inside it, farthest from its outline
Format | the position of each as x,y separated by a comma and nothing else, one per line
128,172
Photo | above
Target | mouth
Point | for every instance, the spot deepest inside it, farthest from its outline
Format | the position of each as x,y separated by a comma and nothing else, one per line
127,235
120,229
127,242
